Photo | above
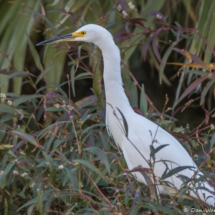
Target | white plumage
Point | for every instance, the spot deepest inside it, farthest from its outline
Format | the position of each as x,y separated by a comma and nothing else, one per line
141,131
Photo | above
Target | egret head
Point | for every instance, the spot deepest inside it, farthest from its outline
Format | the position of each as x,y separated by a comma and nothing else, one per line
88,33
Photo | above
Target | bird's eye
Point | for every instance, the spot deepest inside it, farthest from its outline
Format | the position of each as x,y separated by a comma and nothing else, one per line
83,32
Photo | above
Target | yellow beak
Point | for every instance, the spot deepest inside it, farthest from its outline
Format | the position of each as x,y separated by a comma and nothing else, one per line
67,37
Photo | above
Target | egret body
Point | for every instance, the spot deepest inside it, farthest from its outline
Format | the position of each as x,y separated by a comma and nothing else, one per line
141,132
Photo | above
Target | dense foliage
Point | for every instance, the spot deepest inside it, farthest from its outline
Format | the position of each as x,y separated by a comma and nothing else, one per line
55,154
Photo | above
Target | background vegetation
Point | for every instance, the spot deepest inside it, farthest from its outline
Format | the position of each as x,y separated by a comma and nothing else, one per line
56,156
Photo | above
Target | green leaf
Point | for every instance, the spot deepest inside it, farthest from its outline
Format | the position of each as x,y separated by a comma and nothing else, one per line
25,98
97,87
204,21
72,76
152,152
9,167
196,72
54,30
133,95
30,209
40,201
5,207
156,207
164,60
51,167
27,137
143,101
101,155
212,141
5,146
175,171
205,91
83,76
88,165
57,143
35,54
160,147
192,87
6,108
55,109
33,201
73,180
22,193
51,126
124,123
90,127
3,175
211,33
15,74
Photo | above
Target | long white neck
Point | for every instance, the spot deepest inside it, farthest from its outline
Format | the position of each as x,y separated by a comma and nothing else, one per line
115,94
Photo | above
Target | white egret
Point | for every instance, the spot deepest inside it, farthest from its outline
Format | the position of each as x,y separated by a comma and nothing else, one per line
135,144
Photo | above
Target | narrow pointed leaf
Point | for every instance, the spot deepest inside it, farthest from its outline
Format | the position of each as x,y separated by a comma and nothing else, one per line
143,101
35,54
160,147
14,74
164,60
124,122
192,87
27,137
175,171
88,165
101,155
51,167
72,75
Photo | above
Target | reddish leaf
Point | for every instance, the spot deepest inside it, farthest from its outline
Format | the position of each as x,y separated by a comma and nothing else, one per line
138,21
22,142
125,36
110,11
138,111
95,206
49,95
119,32
154,44
136,197
42,10
35,18
194,85
26,137
178,34
155,49
146,46
198,61
193,57
72,16
140,169
180,135
180,51
207,115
